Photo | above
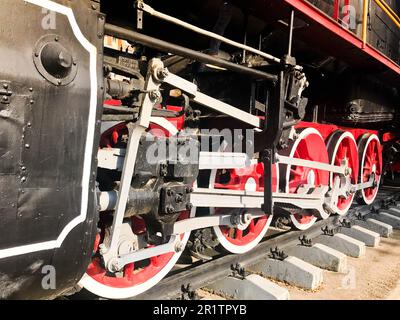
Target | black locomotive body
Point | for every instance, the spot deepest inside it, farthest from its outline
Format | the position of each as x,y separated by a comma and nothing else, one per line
67,157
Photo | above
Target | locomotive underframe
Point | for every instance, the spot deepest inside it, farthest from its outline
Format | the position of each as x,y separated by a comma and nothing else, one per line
164,195
310,198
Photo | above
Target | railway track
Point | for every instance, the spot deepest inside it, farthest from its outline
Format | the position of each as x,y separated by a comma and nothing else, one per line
182,284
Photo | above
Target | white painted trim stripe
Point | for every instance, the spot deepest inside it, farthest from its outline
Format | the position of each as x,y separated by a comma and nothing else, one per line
48,245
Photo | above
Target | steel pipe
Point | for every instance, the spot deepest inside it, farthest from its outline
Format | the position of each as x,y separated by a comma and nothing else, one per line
161,45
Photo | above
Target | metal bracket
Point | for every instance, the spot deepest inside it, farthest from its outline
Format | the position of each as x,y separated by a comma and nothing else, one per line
330,231
346,223
306,242
139,8
360,216
277,254
374,209
238,271
187,293
268,160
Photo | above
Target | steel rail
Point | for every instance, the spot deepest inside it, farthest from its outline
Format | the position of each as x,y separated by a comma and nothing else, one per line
202,274
208,272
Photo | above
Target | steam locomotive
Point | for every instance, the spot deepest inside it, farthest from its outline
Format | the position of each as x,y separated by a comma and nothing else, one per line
197,125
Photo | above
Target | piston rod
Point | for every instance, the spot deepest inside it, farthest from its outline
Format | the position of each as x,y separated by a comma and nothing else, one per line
161,45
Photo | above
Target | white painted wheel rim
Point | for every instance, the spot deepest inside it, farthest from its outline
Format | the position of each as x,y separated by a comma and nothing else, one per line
346,134
364,197
304,133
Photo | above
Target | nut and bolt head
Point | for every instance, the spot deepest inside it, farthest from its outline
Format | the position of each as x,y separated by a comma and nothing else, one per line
178,198
189,189
162,73
246,218
155,95
102,248
179,247
170,209
114,265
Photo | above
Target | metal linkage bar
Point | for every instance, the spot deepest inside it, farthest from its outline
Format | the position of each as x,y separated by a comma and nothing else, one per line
206,273
202,222
370,183
223,198
311,164
202,197
118,263
168,47
207,101
113,159
146,8
174,244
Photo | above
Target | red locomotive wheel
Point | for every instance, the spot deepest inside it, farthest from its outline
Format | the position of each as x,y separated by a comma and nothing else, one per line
140,276
251,178
136,277
308,145
370,153
343,147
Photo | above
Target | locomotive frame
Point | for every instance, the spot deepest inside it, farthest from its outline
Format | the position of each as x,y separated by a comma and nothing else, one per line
139,211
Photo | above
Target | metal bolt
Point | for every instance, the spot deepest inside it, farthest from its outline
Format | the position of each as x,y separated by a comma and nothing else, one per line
162,73
179,247
23,179
178,198
27,146
155,95
189,189
189,206
102,248
114,265
246,218
170,210
5,86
